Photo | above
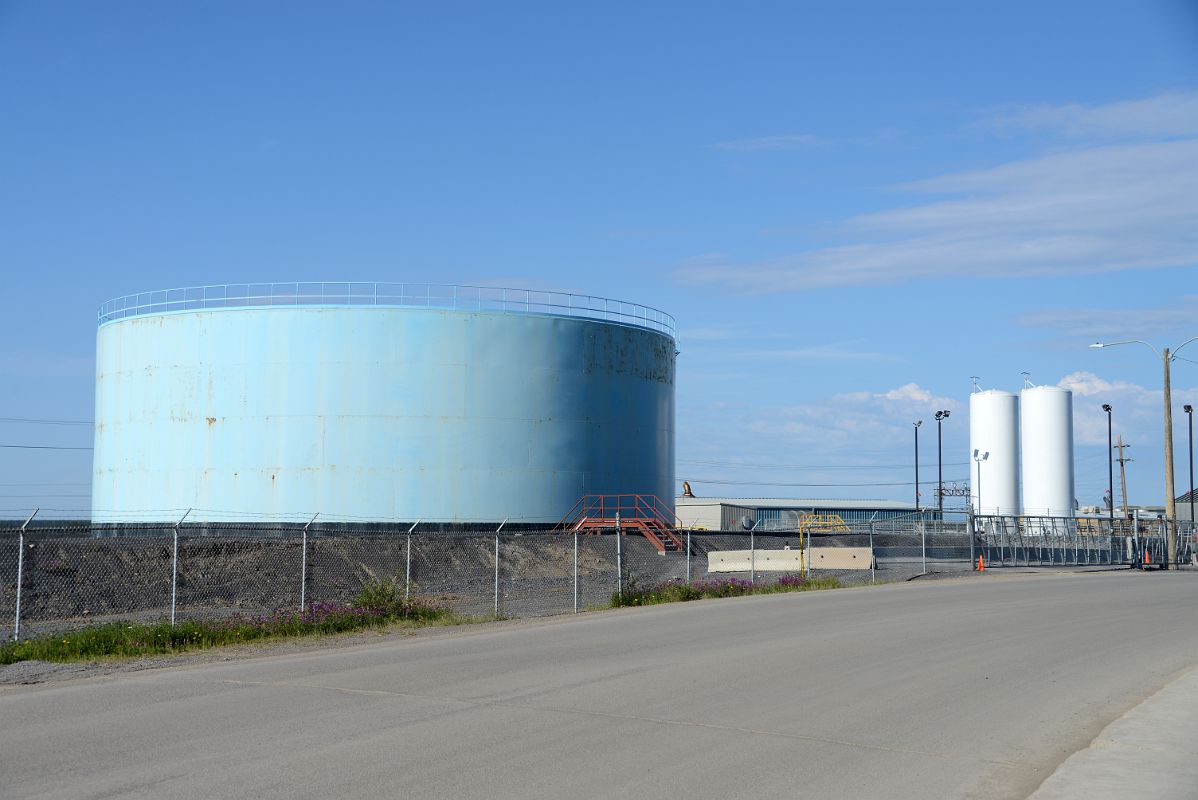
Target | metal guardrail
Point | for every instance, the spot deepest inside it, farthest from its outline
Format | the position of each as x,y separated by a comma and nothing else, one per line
393,295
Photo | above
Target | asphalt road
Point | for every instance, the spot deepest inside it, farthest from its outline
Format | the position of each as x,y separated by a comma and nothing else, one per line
961,688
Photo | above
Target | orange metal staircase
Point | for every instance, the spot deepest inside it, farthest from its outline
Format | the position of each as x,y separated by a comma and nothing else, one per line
643,513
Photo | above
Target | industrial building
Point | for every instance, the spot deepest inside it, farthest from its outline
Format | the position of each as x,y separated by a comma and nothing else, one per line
741,513
378,402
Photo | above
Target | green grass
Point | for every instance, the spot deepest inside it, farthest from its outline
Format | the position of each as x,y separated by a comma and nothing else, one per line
378,605
676,592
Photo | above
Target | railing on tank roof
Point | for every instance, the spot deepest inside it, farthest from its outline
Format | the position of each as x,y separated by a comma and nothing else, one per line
397,295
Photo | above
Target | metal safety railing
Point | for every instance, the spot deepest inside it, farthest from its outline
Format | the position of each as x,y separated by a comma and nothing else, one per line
394,295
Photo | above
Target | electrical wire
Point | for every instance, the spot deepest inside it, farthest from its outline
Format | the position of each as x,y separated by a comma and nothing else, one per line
706,481
738,465
41,447
32,421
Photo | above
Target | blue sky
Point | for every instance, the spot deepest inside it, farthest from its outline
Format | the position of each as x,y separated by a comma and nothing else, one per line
849,209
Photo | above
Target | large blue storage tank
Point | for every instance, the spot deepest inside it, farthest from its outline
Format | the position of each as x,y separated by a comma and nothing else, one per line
378,402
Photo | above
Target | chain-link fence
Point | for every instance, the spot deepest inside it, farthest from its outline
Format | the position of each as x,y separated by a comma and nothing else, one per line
61,576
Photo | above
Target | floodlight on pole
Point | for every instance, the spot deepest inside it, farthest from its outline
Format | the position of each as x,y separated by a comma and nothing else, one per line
1110,465
978,458
917,424
1189,409
940,417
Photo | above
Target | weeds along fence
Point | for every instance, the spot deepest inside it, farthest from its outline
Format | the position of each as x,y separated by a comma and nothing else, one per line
57,576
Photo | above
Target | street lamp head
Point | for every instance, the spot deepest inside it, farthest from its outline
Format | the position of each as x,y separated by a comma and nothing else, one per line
1106,407
918,422
946,414
1098,345
1188,409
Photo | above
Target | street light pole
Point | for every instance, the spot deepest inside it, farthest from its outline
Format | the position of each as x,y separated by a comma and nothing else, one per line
917,424
1170,498
1110,465
1189,409
940,415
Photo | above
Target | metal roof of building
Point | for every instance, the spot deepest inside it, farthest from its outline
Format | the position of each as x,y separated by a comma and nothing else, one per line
803,502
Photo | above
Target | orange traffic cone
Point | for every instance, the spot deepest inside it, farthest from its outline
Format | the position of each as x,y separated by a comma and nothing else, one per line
1147,556
981,564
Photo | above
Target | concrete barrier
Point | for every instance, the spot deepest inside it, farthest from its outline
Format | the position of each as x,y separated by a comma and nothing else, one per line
789,560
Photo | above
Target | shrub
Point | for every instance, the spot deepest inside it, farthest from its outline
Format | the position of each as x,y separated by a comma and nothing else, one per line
124,639
676,591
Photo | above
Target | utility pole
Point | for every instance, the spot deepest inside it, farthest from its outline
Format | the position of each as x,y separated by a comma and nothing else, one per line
1122,473
1170,493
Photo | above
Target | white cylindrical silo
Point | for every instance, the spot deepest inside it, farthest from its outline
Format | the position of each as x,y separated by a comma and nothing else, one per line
994,437
1047,444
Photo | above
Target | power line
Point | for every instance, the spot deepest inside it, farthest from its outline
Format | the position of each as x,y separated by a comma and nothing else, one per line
32,421
15,485
739,464
42,447
813,485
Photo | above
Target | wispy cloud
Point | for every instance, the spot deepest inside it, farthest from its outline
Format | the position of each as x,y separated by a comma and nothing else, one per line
715,333
1170,114
1116,323
824,352
790,141
1095,209
854,419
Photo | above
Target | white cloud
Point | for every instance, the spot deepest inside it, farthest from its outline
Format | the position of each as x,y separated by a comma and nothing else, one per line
1087,384
1169,114
910,391
1089,210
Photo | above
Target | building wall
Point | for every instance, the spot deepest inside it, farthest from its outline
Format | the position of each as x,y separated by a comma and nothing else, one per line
377,414
723,514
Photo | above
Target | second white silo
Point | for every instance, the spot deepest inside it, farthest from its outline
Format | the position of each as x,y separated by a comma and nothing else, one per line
994,437
1047,444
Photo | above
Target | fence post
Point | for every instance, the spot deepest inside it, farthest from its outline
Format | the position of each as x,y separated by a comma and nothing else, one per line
175,565
972,529
873,558
304,563
753,555
407,563
923,543
575,570
688,555
16,628
497,530
619,560
805,552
